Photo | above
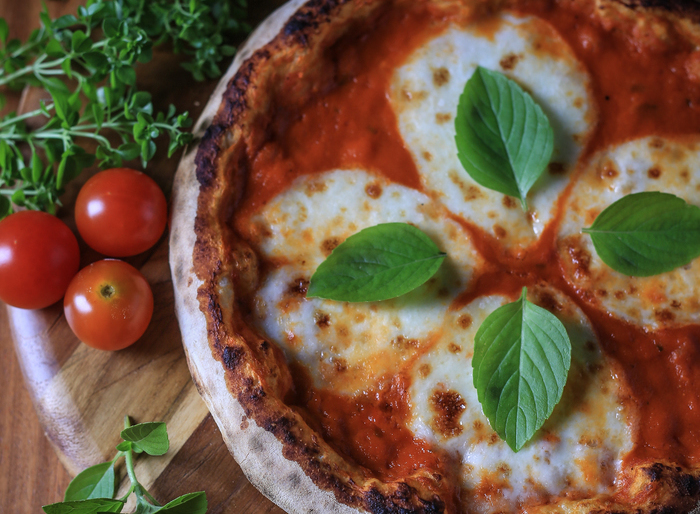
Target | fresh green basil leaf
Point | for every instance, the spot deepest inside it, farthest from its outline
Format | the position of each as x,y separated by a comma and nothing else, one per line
124,446
377,263
504,139
93,506
151,438
646,234
5,206
94,482
190,503
522,356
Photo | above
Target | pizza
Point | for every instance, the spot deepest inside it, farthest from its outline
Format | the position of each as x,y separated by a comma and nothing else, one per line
339,115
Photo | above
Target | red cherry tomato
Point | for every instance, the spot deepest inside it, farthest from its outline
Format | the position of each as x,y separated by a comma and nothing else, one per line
39,256
108,305
121,212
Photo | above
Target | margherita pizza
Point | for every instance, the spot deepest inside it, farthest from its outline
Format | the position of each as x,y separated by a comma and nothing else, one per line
340,115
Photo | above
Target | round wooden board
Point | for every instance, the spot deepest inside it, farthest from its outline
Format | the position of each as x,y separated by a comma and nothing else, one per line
80,394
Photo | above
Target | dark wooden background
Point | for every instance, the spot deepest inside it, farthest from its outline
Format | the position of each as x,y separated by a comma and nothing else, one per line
30,472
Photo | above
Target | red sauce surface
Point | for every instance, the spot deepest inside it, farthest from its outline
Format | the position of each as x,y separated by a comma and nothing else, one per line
640,87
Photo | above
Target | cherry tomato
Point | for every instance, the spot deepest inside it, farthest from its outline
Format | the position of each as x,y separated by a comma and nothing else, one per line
39,256
108,305
121,212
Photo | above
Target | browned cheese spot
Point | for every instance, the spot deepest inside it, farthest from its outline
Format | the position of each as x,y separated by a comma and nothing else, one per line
404,343
298,287
676,304
441,76
556,168
509,202
470,191
454,348
414,95
664,315
340,364
329,245
315,186
580,258
448,407
578,102
499,231
442,117
322,319
602,293
342,331
547,301
373,190
620,295
464,321
654,172
424,370
509,61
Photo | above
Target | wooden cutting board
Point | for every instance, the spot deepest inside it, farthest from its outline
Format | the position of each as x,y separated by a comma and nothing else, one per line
81,395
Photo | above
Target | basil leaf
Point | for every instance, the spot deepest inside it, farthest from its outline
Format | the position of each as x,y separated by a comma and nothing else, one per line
94,482
93,506
504,139
522,356
190,503
377,263
644,234
151,438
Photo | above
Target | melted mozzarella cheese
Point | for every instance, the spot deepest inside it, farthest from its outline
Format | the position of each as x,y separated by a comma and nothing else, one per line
425,93
347,346
649,164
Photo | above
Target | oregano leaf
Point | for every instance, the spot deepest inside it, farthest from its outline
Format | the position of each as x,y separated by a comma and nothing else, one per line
377,263
151,438
94,482
645,234
504,139
522,355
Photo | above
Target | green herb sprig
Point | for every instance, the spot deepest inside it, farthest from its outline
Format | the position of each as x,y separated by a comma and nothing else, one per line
86,62
93,490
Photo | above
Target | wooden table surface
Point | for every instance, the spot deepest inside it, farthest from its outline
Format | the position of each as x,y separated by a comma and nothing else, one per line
31,474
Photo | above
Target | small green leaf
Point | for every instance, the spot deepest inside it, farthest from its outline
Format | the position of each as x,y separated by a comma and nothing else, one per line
54,48
151,438
18,198
127,75
124,446
522,356
94,482
5,206
96,60
190,503
93,506
377,263
4,30
37,168
504,139
646,234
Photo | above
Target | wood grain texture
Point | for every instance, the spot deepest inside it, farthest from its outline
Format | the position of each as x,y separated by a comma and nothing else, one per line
81,394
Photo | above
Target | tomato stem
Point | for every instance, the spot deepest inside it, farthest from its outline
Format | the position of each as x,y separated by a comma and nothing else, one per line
107,291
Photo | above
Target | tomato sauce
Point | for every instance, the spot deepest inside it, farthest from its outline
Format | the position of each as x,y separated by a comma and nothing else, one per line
640,87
